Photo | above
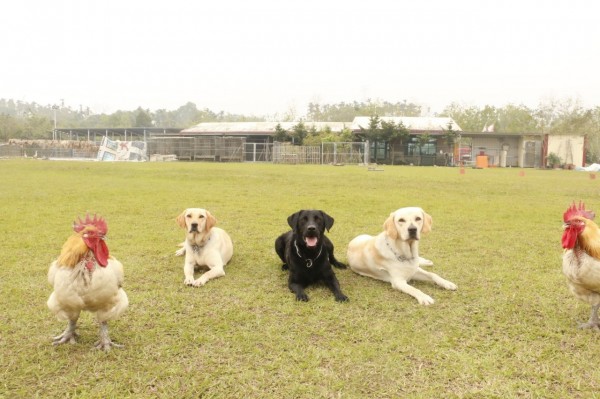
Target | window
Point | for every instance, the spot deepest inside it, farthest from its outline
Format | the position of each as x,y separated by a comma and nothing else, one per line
379,150
428,148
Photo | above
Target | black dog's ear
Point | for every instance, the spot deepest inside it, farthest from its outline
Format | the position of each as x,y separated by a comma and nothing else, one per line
293,220
328,220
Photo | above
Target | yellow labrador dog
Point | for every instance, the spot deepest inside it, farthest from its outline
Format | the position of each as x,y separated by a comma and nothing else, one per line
393,255
205,246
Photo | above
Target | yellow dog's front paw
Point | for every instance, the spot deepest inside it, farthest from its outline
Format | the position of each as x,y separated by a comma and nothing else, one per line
189,281
425,300
199,282
449,285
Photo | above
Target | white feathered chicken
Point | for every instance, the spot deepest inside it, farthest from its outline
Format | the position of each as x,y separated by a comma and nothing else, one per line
85,277
581,260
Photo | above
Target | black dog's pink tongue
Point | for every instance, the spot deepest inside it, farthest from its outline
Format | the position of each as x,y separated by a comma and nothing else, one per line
311,241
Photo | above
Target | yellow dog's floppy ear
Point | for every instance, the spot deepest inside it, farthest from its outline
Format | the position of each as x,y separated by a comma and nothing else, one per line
390,228
181,219
211,221
427,223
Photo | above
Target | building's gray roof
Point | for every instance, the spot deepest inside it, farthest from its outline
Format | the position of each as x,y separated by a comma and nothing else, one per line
259,127
414,123
426,124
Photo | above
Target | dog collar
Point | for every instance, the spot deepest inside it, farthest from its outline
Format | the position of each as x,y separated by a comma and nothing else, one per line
309,262
399,257
197,248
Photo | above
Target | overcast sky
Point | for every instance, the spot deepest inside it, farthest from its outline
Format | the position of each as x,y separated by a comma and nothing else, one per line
268,56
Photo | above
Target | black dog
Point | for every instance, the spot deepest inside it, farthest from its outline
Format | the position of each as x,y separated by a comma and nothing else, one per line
308,254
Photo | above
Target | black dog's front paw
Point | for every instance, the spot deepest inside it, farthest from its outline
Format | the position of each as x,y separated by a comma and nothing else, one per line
302,297
341,298
285,267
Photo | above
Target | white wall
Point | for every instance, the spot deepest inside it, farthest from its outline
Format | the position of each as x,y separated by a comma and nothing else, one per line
568,148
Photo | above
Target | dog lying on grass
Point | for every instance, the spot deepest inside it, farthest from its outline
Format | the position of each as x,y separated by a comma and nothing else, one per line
393,255
308,254
205,246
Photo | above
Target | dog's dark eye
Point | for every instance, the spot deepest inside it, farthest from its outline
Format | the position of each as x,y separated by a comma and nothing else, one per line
201,216
401,220
418,219
188,216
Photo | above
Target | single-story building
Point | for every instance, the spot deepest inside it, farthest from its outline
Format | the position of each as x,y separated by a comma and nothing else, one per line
525,150
438,150
253,141
500,149
505,149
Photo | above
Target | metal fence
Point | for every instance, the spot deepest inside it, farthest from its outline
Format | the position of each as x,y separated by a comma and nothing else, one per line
216,149
258,152
219,149
344,153
296,154
49,149
327,153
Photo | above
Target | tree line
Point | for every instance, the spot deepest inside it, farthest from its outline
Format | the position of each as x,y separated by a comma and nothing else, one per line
26,120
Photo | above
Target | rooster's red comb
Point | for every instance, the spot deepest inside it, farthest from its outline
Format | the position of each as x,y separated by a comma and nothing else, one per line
580,210
98,222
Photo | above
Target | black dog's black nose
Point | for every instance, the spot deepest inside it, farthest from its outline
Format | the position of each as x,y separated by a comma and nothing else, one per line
311,228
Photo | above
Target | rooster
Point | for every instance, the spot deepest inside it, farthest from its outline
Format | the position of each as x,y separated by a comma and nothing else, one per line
85,277
581,260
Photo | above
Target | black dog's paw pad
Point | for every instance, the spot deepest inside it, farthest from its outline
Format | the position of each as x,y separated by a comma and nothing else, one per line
302,298
342,298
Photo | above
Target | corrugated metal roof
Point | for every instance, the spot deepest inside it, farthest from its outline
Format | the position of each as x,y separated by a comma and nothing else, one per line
432,124
429,124
259,127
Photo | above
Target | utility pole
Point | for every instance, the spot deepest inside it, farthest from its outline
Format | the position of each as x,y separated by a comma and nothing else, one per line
54,108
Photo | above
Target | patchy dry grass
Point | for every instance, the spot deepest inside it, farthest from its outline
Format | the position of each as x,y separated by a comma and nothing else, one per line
509,331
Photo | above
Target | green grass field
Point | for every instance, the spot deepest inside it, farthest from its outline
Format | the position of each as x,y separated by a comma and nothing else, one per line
509,331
